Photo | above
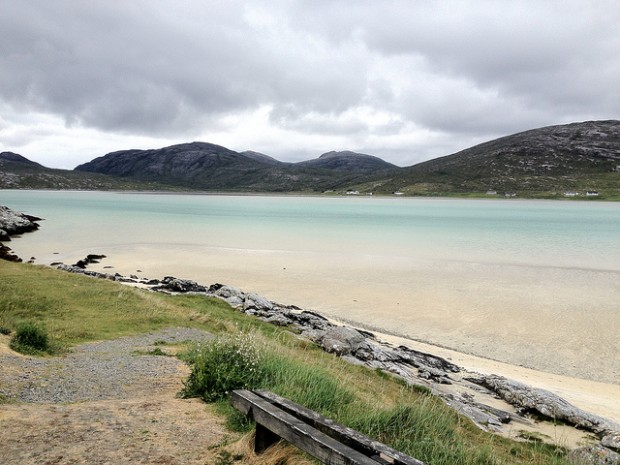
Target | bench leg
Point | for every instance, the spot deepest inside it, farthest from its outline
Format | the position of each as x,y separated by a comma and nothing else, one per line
264,438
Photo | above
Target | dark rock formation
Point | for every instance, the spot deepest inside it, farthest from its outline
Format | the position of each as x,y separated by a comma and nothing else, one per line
90,258
13,223
546,404
593,455
176,285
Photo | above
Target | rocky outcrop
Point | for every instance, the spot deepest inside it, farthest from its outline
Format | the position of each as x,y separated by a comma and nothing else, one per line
11,224
593,455
90,258
546,404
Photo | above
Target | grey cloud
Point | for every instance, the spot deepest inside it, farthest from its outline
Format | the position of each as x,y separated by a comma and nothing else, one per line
130,69
460,70
552,58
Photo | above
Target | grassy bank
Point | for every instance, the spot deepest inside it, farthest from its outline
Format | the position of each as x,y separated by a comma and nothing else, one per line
73,309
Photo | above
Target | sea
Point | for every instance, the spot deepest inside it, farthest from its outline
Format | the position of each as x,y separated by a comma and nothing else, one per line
461,273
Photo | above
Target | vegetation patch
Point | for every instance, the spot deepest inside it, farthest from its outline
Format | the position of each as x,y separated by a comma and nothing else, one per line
30,338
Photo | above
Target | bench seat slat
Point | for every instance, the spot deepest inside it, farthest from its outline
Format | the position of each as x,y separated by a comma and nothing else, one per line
343,434
298,432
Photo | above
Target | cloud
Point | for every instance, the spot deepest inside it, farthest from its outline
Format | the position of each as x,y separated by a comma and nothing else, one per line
405,80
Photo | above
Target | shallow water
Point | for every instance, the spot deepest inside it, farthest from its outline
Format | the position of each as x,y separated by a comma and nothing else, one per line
535,283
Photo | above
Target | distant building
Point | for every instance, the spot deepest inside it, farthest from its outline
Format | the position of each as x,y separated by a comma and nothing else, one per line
398,193
571,194
592,193
491,192
352,193
510,194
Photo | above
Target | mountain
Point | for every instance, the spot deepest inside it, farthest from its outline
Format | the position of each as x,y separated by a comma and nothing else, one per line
14,159
539,162
200,165
544,162
195,165
17,172
263,158
349,161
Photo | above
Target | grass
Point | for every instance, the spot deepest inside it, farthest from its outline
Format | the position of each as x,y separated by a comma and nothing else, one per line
30,338
75,309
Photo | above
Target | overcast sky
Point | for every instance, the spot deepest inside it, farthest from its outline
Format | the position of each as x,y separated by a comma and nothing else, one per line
403,80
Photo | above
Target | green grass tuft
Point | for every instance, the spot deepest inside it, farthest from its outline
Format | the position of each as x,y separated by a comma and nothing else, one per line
30,338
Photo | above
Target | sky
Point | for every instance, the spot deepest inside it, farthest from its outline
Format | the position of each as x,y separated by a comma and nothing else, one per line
406,80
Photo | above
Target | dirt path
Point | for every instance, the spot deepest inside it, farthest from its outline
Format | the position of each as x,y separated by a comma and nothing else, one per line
130,415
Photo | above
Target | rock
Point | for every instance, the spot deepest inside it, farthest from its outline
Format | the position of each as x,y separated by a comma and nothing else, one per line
342,340
257,302
278,320
13,222
433,374
545,403
7,254
612,441
232,295
307,319
172,284
421,359
90,258
593,455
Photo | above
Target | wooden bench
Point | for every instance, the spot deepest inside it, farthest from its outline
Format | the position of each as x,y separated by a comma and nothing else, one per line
333,444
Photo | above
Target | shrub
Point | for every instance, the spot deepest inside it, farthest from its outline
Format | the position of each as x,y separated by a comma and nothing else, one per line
223,365
4,330
29,338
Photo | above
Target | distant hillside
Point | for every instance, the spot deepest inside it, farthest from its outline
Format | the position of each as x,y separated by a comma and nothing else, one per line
540,162
199,165
543,162
346,161
17,172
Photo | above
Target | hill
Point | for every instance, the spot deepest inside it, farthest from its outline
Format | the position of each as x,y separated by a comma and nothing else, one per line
539,162
545,162
17,172
204,166
349,161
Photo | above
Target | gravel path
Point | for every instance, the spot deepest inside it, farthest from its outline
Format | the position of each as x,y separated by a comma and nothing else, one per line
103,404
94,371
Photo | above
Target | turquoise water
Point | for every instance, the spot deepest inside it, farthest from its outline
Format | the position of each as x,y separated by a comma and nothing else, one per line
536,233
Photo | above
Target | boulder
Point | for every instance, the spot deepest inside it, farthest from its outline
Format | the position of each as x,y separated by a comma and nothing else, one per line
612,441
230,294
593,455
14,222
7,254
257,302
343,340
172,284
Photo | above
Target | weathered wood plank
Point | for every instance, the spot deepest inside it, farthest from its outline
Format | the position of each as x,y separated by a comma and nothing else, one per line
343,434
328,450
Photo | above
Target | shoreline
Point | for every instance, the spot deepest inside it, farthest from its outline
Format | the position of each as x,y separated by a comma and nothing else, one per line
459,379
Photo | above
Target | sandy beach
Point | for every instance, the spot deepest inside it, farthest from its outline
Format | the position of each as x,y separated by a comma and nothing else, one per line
532,348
